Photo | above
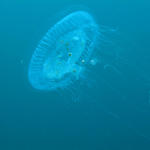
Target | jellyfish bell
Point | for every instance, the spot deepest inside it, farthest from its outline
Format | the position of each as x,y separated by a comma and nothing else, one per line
62,54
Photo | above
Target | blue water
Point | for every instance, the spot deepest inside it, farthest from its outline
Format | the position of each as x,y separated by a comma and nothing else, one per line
112,113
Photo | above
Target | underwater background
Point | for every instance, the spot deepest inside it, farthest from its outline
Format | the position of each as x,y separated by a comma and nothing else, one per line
112,113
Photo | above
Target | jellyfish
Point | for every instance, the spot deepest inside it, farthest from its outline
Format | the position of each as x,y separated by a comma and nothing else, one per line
61,57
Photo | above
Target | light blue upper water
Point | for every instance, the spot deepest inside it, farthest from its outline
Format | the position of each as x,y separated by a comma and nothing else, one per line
110,112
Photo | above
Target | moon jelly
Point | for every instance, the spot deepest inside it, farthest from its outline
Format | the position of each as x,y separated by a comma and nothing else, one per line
62,54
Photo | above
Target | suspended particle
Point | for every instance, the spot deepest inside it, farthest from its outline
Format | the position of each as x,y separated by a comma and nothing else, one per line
93,61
